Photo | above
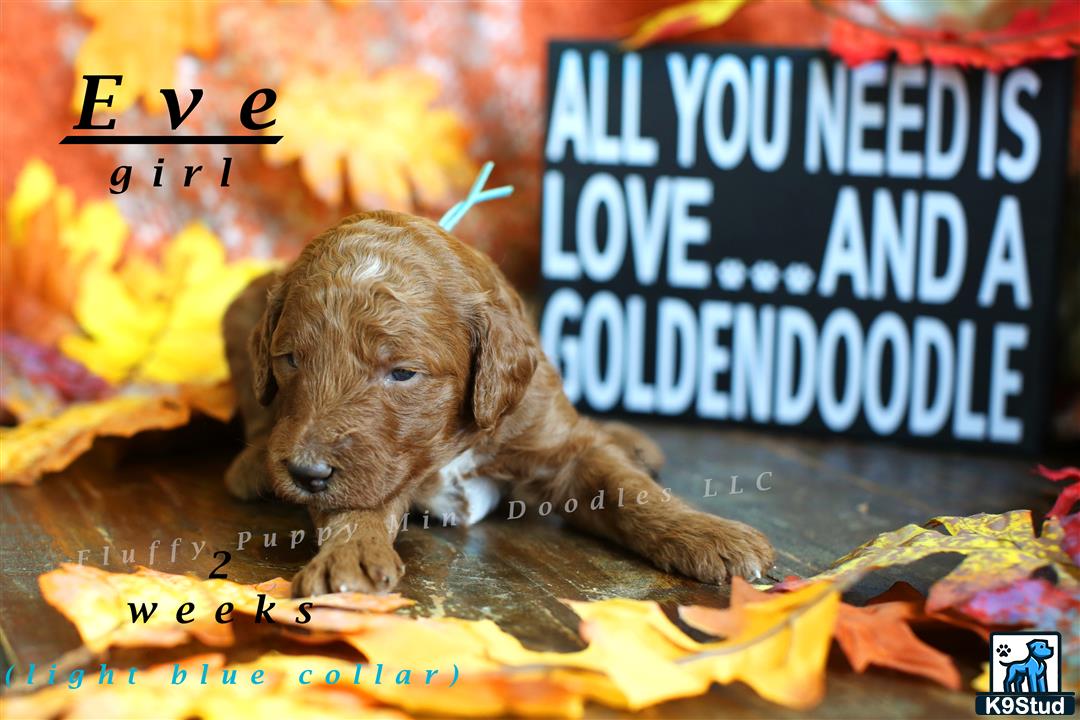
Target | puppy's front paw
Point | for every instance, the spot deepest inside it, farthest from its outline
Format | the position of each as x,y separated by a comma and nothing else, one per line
713,549
349,567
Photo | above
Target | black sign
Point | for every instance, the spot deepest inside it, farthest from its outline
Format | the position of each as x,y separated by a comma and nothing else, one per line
769,236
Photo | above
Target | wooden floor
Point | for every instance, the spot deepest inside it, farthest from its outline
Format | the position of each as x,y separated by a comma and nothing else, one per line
826,497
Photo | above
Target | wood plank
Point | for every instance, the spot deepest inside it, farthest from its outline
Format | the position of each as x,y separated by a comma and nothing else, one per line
826,497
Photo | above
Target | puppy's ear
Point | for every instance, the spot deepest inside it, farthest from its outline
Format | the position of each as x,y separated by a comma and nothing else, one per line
263,381
505,357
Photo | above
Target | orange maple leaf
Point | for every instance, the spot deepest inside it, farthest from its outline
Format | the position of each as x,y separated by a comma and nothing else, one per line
49,444
141,41
880,634
48,243
398,150
96,602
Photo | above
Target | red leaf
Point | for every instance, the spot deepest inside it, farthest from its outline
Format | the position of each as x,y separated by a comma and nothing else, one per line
1029,603
1071,525
1066,473
1054,33
47,365
1070,495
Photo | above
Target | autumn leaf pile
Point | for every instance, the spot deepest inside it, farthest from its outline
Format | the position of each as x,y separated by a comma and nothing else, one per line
400,149
98,339
775,640
110,304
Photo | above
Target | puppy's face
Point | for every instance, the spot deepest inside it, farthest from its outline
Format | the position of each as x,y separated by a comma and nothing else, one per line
384,348
370,385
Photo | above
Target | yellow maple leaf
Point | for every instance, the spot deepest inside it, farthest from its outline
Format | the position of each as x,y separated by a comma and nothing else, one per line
48,243
682,19
141,41
777,644
1003,547
95,601
631,643
779,649
43,445
383,131
145,322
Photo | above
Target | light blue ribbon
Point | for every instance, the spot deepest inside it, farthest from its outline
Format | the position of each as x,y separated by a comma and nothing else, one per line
476,195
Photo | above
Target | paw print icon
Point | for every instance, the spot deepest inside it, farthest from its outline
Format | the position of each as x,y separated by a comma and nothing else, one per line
1002,651
731,274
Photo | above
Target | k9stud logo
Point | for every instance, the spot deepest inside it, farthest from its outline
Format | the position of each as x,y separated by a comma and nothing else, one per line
1025,676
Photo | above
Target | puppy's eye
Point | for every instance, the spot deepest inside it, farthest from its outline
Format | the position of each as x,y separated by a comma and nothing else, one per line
289,358
401,374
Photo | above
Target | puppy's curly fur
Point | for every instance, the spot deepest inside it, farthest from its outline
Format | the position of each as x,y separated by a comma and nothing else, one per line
321,357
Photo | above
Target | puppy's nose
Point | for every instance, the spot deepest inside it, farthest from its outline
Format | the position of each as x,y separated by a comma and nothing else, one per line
312,477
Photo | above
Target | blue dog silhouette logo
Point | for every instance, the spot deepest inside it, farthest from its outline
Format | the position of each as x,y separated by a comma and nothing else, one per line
1025,676
1025,662
1028,674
